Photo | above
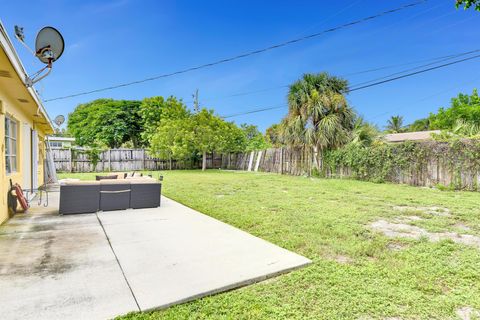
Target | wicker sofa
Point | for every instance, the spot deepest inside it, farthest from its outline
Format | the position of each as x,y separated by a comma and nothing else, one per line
92,196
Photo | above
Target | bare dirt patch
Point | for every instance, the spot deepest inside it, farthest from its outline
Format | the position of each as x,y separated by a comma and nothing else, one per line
343,259
395,246
468,313
404,230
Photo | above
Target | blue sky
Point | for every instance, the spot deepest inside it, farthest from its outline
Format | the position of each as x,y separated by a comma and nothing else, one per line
116,41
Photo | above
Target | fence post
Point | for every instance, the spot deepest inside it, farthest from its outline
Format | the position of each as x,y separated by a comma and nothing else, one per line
110,160
143,160
257,164
250,161
70,160
281,160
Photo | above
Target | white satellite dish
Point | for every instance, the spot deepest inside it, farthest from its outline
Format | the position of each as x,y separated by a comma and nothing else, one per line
49,46
59,120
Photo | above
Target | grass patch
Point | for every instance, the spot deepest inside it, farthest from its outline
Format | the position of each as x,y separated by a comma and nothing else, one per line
356,272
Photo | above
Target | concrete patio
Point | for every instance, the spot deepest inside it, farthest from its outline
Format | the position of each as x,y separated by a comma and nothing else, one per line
97,266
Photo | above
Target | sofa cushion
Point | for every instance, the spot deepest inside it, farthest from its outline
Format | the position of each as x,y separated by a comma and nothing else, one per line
116,181
109,177
80,182
143,180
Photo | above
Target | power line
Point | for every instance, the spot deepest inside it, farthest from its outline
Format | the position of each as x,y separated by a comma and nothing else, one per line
413,73
433,60
371,85
253,111
244,55
445,58
425,98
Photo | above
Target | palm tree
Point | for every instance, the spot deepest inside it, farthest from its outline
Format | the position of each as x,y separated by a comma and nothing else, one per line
319,116
395,124
363,133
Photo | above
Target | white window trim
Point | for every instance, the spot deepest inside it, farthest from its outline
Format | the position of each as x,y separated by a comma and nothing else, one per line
9,139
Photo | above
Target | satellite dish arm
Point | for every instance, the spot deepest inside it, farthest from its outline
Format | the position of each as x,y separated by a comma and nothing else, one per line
30,81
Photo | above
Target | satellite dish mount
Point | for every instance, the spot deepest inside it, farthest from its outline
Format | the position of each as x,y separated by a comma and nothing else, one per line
49,46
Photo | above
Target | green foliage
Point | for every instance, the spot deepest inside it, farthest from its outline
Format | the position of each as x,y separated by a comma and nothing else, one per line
461,129
468,3
174,139
94,156
196,134
463,107
106,122
373,163
234,139
155,109
273,135
395,124
208,131
380,161
255,140
419,125
318,115
363,133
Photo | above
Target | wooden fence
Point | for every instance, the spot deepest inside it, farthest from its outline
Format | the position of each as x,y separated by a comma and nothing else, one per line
436,170
78,160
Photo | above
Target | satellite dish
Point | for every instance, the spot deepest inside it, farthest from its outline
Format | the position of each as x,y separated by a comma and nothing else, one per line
49,45
59,120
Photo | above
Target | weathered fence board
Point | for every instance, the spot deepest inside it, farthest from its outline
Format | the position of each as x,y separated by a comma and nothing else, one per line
77,160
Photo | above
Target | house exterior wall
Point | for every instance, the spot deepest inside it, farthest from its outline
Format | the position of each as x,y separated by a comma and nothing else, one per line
11,108
23,105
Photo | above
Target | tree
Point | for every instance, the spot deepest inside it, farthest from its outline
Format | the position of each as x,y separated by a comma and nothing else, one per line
208,133
463,107
255,140
199,133
468,3
234,138
363,133
155,109
319,115
395,124
273,135
419,125
174,139
106,122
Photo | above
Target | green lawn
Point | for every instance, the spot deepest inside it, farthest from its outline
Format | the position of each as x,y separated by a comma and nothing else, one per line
356,272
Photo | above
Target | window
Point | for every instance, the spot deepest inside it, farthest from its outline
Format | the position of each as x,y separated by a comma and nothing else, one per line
55,144
10,144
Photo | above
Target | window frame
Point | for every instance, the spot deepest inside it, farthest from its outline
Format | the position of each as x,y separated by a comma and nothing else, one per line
11,145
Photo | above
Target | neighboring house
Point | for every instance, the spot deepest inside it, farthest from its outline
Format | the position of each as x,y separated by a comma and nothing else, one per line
60,142
24,124
410,136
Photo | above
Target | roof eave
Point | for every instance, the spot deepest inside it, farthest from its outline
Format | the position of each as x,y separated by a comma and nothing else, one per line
7,44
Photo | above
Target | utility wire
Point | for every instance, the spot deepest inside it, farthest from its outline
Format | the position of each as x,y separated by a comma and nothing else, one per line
244,55
370,85
253,111
433,60
413,73
419,67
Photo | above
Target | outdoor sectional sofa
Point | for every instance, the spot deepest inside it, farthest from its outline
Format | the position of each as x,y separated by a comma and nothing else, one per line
92,196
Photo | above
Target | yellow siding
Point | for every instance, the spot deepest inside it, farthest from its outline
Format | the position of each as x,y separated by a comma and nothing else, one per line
13,109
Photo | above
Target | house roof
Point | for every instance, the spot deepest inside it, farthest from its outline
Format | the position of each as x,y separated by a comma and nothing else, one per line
11,54
54,138
410,136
